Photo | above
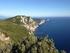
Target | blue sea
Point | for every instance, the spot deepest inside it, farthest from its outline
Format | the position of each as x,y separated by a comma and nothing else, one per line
57,28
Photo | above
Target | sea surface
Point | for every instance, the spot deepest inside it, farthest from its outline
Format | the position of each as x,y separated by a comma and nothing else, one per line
57,28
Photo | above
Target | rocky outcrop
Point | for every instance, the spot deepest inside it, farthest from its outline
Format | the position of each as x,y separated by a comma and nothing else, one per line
21,42
30,24
4,37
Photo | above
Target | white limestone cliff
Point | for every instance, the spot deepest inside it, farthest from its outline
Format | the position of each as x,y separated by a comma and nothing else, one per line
43,21
30,24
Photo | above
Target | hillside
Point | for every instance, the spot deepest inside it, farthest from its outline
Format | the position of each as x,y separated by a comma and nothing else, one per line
15,37
13,30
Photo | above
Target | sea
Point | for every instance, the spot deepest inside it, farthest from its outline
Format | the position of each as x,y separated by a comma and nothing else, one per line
57,28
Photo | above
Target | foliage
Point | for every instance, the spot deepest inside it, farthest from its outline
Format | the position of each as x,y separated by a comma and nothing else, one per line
21,41
15,31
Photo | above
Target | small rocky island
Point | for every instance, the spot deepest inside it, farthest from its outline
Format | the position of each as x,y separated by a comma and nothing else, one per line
16,36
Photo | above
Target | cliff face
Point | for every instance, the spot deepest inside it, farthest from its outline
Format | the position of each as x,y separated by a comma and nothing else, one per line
15,37
27,22
30,23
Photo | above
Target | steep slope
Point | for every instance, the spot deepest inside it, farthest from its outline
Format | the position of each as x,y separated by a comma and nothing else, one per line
15,31
18,26
27,22
15,37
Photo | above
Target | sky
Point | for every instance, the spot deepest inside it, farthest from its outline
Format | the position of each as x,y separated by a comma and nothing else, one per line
35,7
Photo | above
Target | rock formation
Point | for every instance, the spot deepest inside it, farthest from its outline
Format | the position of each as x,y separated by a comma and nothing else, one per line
4,36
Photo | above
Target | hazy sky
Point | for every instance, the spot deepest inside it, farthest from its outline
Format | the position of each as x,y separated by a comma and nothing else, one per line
35,7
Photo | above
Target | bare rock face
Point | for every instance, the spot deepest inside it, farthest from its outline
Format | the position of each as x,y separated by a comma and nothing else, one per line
4,36
26,21
30,24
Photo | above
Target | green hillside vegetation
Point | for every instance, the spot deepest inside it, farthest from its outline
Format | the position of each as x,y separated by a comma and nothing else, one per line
21,41
13,30
15,19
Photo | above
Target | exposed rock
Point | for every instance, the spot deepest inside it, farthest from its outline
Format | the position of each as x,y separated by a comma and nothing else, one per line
4,36
30,24
29,43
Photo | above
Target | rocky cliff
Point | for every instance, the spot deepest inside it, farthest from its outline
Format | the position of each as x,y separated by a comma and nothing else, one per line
30,24
27,22
15,37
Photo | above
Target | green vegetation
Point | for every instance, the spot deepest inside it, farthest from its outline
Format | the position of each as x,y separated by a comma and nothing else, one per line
15,19
15,31
23,42
44,45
